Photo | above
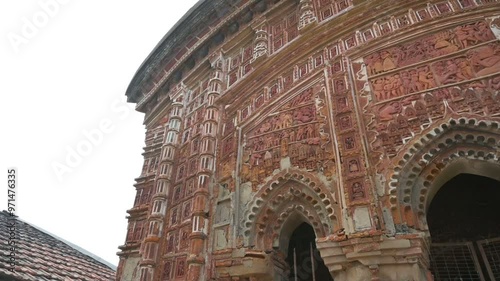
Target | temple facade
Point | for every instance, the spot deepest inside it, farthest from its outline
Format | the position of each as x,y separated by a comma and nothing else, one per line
345,140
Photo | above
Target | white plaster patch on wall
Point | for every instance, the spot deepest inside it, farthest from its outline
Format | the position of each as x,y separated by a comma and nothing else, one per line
495,26
220,239
362,218
131,267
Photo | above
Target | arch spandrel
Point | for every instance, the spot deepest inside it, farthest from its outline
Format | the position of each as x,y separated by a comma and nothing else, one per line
292,131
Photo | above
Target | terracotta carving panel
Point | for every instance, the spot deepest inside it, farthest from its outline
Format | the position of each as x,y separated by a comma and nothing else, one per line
426,48
297,130
413,84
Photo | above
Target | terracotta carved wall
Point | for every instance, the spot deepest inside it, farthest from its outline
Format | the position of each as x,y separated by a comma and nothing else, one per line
407,89
344,115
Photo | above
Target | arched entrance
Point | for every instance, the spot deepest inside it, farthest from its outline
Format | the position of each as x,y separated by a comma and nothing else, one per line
445,150
464,224
289,199
303,258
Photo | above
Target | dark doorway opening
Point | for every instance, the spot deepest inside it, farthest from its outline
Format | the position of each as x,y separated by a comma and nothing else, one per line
464,224
304,259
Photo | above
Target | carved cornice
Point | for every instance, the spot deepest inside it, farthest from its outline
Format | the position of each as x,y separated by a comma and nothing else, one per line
204,26
354,28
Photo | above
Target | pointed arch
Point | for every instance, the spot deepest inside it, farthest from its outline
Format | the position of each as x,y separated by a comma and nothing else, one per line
457,145
290,194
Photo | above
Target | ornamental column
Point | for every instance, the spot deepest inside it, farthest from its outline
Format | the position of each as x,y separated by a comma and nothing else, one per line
261,41
156,218
196,260
307,15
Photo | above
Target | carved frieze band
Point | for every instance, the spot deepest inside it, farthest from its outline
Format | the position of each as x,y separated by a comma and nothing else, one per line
412,85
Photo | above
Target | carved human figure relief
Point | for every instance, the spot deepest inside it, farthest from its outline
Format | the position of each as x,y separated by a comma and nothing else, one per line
357,191
486,59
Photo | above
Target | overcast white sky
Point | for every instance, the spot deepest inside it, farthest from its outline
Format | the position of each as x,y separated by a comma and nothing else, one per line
64,69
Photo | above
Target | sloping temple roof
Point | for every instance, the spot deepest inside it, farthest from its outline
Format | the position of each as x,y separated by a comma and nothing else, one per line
43,256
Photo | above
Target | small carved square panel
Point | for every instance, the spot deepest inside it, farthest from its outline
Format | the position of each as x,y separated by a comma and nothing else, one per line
422,14
368,35
171,242
336,67
174,216
339,85
273,90
403,21
184,237
357,190
167,270
326,12
466,3
349,142
353,165
350,42
443,8
334,51
233,76
259,101
247,53
385,28
180,267
342,104
187,210
345,122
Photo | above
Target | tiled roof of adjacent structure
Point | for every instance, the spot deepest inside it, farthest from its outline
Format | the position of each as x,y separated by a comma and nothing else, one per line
43,256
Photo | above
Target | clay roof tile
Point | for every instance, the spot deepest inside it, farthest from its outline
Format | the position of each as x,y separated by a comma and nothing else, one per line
43,256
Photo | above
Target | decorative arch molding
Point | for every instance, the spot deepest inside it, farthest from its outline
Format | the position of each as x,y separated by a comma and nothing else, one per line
289,193
458,145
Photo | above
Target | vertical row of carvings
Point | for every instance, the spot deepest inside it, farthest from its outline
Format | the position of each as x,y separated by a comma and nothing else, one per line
354,172
183,246
209,141
170,201
159,201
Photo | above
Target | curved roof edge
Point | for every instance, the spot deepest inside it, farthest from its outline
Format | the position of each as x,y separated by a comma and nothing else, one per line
198,13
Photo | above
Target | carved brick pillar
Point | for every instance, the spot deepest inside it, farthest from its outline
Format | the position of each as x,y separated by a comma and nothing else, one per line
306,13
130,255
155,222
404,257
196,259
